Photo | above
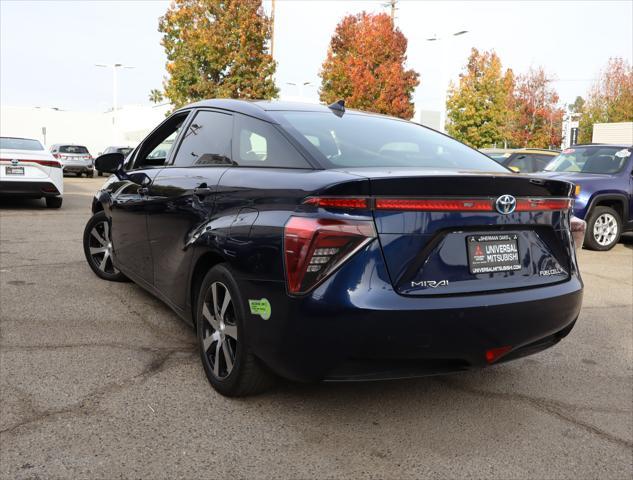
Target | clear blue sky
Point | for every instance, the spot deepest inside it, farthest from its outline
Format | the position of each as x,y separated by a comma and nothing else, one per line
48,48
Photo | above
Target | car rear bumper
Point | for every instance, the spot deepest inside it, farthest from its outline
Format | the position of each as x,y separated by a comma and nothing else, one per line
356,327
78,168
30,189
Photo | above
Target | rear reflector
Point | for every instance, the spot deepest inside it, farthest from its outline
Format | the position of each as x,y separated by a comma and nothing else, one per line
315,247
495,354
435,205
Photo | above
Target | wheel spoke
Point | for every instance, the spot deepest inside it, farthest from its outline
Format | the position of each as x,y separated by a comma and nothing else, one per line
230,331
106,231
95,250
216,362
104,261
214,297
227,356
225,304
100,239
207,342
209,317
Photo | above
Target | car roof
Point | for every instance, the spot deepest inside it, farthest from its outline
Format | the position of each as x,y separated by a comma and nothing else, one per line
19,138
260,108
614,145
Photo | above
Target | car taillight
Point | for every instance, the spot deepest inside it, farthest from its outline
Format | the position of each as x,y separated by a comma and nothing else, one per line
57,155
315,247
578,229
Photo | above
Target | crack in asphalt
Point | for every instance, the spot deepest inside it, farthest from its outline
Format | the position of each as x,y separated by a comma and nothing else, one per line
153,367
552,407
138,348
9,267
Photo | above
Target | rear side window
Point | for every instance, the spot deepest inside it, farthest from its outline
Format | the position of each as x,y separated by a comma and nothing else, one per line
207,141
78,149
259,144
10,143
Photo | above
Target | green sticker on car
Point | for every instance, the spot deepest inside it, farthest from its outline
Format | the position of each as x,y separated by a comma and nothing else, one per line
260,307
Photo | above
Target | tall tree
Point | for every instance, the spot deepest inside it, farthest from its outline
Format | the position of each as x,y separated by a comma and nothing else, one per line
217,49
610,99
365,66
538,118
479,107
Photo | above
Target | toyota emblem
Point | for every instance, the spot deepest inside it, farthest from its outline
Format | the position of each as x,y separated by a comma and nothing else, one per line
506,204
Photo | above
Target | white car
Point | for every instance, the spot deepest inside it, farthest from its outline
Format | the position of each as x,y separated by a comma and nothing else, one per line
29,171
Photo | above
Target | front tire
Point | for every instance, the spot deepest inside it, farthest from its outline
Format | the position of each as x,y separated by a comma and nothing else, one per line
98,248
604,228
53,202
90,174
100,174
228,362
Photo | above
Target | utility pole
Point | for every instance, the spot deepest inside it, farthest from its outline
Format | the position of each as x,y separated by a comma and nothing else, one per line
272,30
392,4
115,106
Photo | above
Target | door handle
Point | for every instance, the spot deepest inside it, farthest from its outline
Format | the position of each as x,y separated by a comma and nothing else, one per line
202,191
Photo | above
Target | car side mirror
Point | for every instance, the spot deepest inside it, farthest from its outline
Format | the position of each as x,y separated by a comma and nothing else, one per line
109,163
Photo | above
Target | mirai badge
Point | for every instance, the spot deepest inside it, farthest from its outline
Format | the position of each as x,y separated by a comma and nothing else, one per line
506,204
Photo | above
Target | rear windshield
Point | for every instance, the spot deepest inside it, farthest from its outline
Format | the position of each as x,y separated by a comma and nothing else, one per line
594,159
357,140
10,143
73,149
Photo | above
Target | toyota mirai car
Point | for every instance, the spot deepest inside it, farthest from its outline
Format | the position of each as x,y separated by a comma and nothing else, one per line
319,243
27,170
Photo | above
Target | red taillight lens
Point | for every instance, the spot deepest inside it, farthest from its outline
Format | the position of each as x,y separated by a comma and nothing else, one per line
315,247
578,230
542,204
434,205
337,202
56,155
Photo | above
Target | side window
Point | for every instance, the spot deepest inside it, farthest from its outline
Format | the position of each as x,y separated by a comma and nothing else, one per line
207,140
541,161
259,144
156,148
522,162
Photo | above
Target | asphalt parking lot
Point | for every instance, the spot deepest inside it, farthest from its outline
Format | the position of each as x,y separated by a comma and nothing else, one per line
101,380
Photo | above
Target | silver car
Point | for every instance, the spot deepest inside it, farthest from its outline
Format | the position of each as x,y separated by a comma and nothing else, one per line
74,159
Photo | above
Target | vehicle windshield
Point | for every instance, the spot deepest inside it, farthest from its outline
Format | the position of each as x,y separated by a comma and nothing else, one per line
593,159
357,140
73,149
10,143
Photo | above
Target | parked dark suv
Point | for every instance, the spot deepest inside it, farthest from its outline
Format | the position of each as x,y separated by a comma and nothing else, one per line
315,242
603,175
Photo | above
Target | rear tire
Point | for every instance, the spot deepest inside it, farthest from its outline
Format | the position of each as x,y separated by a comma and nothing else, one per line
604,228
98,248
228,362
100,174
53,202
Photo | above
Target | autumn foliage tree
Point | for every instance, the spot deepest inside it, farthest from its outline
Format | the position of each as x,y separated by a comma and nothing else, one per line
537,118
610,99
365,66
480,105
217,49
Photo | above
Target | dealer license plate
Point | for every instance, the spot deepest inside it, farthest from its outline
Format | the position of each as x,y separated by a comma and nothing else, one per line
493,253
14,170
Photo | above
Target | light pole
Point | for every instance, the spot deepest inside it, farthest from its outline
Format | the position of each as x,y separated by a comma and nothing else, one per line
115,107
443,75
299,86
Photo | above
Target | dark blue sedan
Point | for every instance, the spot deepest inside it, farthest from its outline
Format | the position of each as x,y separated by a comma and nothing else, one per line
315,243
603,175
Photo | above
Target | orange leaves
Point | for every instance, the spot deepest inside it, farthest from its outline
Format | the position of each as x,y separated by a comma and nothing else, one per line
365,66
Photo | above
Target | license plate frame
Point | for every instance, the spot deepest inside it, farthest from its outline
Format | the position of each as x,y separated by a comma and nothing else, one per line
14,170
493,253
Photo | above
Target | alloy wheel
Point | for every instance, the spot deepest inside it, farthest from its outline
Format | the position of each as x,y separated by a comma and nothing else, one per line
101,247
605,229
219,337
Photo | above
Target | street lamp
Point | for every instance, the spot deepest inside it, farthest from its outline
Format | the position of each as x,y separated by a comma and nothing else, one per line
299,86
114,67
442,69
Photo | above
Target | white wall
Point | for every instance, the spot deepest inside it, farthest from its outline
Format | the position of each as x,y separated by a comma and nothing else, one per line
613,133
95,130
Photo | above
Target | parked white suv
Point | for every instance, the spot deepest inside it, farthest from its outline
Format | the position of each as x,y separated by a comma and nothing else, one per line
28,170
74,159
